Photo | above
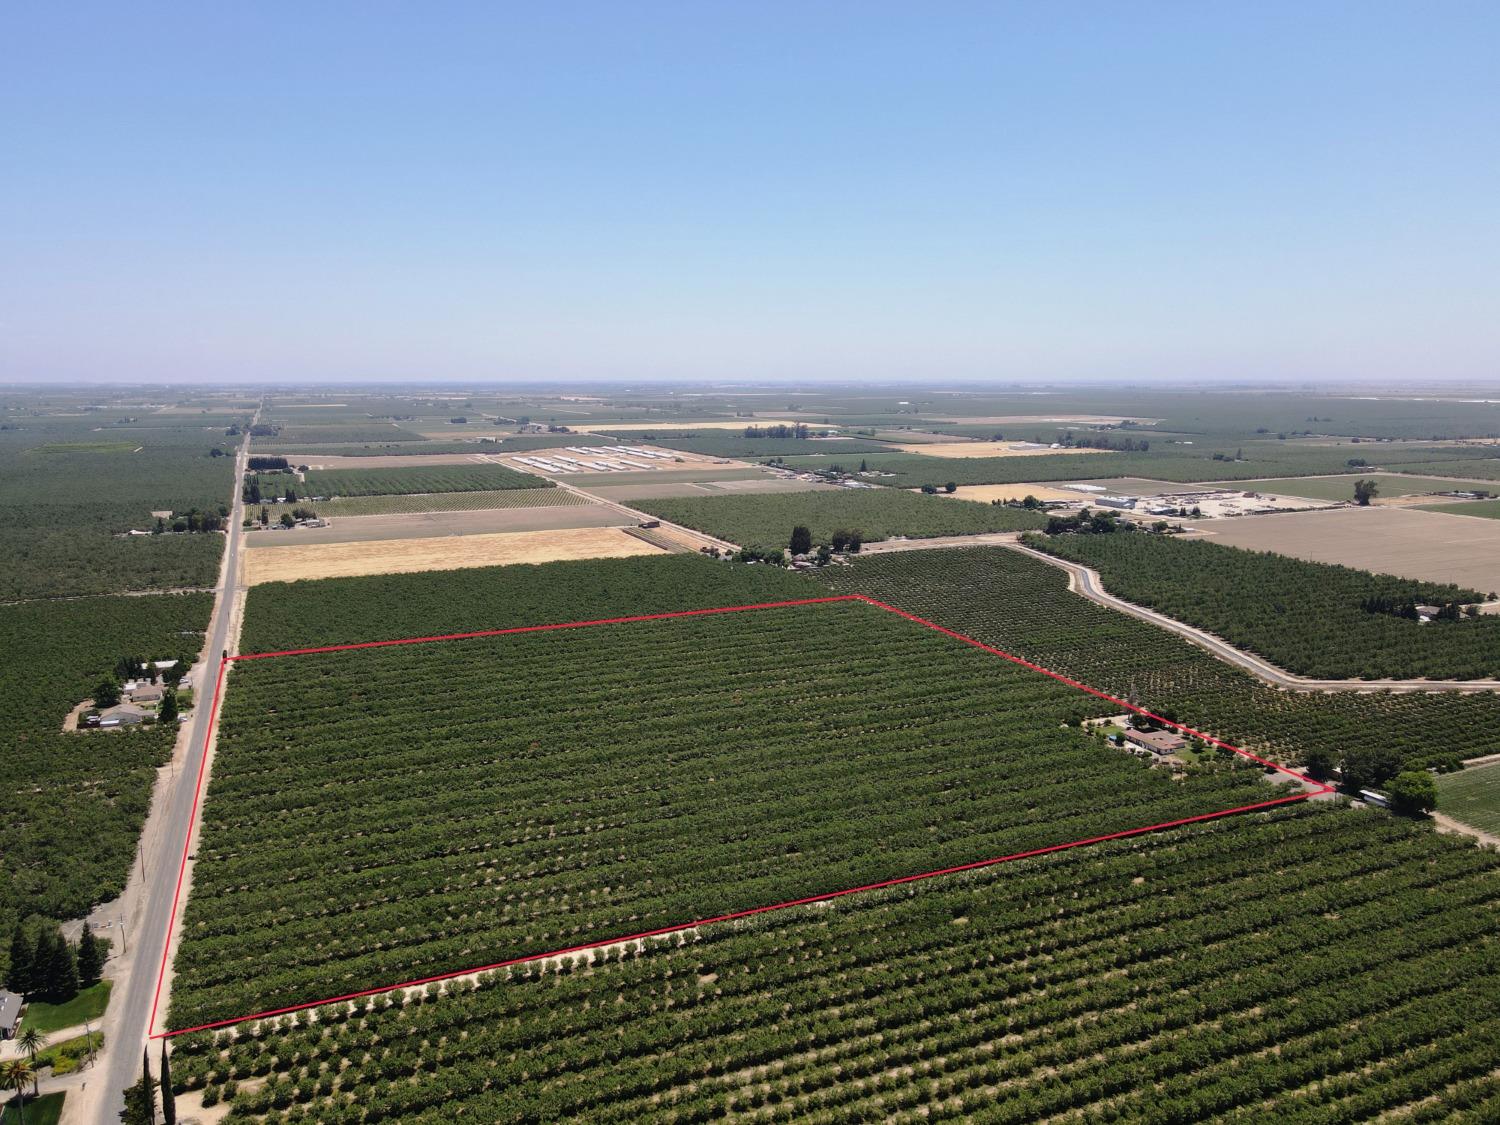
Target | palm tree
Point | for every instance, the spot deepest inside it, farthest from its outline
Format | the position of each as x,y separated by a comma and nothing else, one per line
13,1076
31,1041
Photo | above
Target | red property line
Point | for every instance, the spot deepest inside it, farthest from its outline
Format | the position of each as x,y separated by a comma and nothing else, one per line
1319,789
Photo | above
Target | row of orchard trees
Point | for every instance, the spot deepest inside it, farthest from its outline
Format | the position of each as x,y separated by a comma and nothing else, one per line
1023,605
1313,619
1175,977
694,772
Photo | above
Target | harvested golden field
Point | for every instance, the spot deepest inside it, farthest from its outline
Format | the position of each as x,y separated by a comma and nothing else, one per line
989,493
984,449
449,552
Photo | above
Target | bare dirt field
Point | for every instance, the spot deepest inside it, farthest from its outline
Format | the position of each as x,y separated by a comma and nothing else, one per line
1404,541
449,552
987,493
983,449
425,525
665,490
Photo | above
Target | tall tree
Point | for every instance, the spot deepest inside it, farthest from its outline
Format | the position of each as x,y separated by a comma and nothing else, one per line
1414,791
31,1041
801,542
59,968
1365,491
21,976
90,957
166,711
168,1099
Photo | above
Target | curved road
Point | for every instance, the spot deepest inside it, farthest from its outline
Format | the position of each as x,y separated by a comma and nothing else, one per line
1086,582
149,915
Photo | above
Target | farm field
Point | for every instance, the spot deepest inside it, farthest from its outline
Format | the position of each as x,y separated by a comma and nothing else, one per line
966,449
672,489
1485,509
696,472
988,493
63,531
1473,797
422,525
474,455
448,502
301,561
1309,618
724,443
1128,486
75,802
689,774
767,521
1023,605
1408,542
437,478
1167,978
1342,487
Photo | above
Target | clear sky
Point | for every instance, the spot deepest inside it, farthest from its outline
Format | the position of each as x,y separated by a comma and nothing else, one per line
750,190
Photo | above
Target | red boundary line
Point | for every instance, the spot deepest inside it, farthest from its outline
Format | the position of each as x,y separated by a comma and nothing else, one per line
680,927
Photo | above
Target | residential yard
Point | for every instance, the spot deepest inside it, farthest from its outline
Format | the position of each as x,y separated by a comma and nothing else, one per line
46,1110
89,1004
1472,796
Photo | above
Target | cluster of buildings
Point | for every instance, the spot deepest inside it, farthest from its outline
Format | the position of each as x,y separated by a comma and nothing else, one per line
139,700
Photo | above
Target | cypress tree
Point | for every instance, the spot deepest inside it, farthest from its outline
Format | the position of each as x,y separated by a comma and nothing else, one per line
90,957
60,968
168,1100
21,976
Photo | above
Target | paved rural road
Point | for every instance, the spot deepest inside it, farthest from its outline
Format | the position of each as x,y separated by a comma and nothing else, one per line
1086,581
129,1011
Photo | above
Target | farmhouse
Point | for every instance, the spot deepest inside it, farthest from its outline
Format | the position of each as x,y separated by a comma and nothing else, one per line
124,715
144,692
1158,742
10,1014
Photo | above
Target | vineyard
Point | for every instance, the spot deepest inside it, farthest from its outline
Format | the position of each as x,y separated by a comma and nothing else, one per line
1023,605
767,520
1313,965
419,821
422,478
1310,618
450,502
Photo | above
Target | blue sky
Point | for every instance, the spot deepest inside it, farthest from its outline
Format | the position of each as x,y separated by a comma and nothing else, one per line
933,191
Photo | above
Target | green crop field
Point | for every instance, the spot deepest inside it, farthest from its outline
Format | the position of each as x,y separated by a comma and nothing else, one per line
1249,969
1486,509
448,502
422,478
1473,796
690,774
1309,618
767,520
1342,487
728,443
